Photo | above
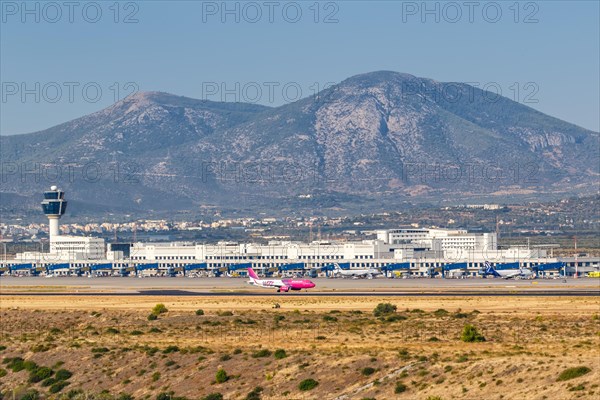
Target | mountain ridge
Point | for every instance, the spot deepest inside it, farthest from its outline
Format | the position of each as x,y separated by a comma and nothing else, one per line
375,135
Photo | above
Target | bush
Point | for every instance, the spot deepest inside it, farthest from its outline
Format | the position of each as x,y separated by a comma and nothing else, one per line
308,384
572,373
159,309
221,376
395,318
49,382
155,376
152,317
400,388
30,366
384,309
199,312
58,386
329,318
440,312
3,372
100,350
31,394
15,364
213,396
279,354
261,353
254,394
470,334
39,374
368,371
63,374
125,396
171,349
225,357
136,333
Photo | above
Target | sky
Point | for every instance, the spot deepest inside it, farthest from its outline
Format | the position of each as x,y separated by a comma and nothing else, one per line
62,60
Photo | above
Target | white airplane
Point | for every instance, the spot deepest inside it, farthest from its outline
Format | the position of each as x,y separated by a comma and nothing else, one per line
507,273
356,273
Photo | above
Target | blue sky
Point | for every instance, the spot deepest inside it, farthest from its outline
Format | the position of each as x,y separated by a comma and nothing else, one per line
54,58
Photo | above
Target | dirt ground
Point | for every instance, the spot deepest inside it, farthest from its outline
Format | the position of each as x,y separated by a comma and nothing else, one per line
112,348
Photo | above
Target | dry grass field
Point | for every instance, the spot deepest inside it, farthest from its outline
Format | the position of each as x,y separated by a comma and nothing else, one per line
111,350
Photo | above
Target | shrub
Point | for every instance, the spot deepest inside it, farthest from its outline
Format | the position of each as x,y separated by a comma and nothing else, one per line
2,347
155,376
221,376
262,353
225,357
308,384
112,330
171,349
329,318
384,309
572,373
125,396
213,396
395,318
15,364
368,371
279,354
199,312
39,374
136,333
433,339
152,317
63,374
100,350
237,351
434,398
440,312
400,388
49,381
3,372
159,309
470,334
254,394
58,386
31,394
30,365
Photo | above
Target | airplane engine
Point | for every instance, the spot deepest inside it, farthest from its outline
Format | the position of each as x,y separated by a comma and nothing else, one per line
283,289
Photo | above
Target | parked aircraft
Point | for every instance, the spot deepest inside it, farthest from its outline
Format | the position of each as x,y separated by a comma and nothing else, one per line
356,273
507,273
282,285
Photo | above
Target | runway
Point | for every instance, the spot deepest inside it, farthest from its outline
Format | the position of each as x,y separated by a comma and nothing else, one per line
216,287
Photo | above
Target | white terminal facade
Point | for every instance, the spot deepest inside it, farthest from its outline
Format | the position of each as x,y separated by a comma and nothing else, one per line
423,248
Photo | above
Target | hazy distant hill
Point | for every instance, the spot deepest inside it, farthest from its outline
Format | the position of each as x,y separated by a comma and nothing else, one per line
376,135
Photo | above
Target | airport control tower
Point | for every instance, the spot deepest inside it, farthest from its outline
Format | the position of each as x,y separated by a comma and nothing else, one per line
54,206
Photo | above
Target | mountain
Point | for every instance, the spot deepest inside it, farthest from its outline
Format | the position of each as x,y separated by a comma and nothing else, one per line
376,137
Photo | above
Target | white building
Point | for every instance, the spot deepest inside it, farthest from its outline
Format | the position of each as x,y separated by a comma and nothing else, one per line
451,240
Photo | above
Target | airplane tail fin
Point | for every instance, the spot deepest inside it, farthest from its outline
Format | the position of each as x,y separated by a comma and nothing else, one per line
252,274
489,269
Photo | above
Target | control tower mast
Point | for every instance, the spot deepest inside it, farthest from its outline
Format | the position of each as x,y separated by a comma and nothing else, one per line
54,206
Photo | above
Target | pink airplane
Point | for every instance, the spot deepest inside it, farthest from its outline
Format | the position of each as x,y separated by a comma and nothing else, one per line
282,285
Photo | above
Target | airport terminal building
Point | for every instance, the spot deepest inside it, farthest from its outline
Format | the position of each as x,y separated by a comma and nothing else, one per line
399,252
